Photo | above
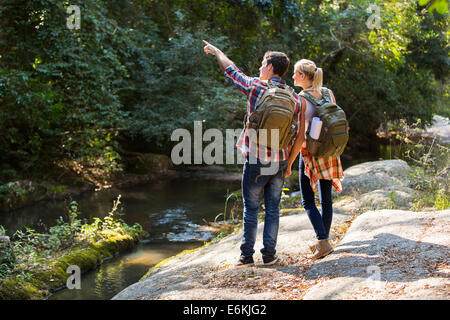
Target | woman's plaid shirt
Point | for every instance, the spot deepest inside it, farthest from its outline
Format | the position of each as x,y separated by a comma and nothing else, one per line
254,89
327,168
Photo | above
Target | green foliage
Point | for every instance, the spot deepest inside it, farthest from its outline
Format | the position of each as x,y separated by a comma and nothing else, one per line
137,68
371,71
430,162
236,195
111,223
11,188
292,182
183,93
58,88
7,256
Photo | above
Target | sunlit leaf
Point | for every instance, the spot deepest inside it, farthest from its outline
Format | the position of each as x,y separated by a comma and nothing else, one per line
439,5
423,2
442,7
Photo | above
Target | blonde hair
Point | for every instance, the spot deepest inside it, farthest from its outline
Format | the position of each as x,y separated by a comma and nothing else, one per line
313,73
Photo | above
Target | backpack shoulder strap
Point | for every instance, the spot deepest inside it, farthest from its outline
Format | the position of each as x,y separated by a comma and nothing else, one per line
289,89
310,98
332,97
302,114
271,84
301,130
326,94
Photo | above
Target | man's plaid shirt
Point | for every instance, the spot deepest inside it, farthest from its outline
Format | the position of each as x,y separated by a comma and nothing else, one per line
254,89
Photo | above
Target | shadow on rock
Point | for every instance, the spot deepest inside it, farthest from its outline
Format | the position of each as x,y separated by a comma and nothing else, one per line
398,259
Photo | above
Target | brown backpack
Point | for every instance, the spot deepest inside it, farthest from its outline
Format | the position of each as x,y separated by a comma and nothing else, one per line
275,110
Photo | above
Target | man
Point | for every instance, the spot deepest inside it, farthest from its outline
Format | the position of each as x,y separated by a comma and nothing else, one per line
255,183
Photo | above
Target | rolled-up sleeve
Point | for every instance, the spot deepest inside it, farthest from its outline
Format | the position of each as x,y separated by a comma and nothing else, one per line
239,79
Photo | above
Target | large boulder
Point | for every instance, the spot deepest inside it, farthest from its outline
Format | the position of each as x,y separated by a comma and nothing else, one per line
392,197
375,175
386,254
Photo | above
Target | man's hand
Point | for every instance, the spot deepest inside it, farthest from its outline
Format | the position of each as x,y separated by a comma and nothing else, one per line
209,48
222,59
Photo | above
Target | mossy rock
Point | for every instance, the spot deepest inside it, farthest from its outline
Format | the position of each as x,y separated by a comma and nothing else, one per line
18,290
52,274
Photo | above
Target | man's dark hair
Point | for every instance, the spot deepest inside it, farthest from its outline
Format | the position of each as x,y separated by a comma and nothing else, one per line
279,61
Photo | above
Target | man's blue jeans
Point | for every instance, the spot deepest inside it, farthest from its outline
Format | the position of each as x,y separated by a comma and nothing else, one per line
321,222
254,187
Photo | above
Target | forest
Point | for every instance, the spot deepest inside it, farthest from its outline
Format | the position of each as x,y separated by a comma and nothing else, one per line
133,71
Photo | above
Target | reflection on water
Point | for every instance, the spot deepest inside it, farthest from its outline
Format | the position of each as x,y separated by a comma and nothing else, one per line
121,271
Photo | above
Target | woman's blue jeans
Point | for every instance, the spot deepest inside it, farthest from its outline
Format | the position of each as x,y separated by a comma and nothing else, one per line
255,186
321,221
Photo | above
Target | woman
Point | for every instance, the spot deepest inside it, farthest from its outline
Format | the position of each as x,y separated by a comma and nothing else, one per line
315,174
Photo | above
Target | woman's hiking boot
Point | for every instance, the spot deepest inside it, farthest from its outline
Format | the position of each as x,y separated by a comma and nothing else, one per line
313,247
323,248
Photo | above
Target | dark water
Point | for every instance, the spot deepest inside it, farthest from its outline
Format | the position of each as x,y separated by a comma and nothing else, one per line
172,211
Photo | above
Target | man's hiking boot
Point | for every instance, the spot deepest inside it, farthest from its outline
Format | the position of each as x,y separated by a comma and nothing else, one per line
245,262
270,260
323,248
